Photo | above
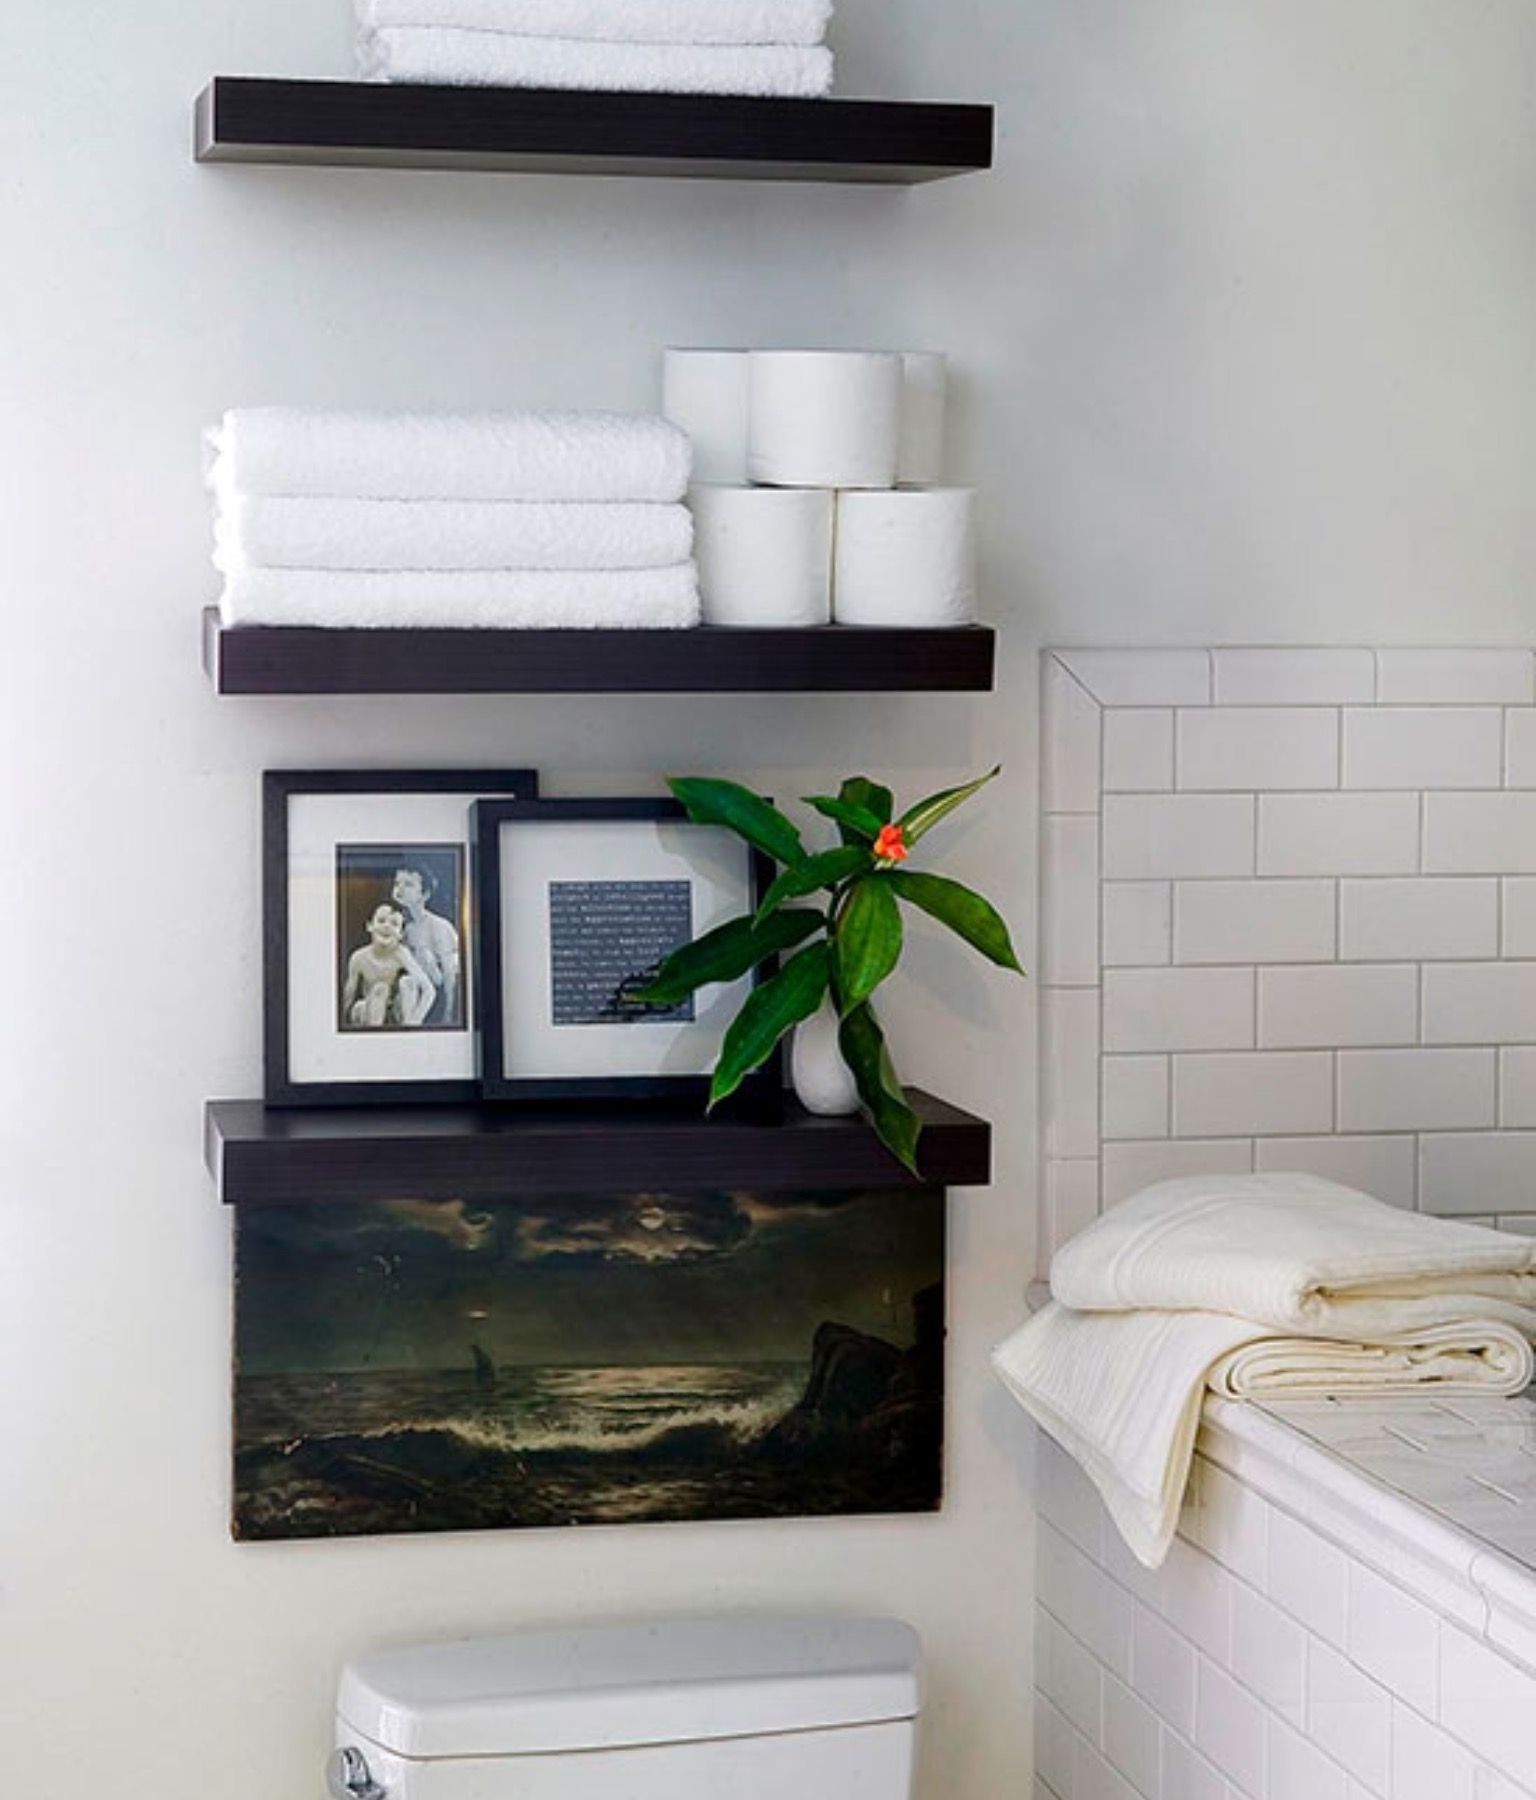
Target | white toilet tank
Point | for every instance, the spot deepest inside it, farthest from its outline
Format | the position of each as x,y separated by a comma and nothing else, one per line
690,1709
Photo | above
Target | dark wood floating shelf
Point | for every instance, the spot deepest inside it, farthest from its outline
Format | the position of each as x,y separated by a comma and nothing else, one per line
262,1157
833,659
539,131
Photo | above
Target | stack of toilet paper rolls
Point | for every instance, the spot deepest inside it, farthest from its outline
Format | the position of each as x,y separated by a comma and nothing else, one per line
817,489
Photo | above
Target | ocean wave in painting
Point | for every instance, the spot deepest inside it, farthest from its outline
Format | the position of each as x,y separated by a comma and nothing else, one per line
411,1450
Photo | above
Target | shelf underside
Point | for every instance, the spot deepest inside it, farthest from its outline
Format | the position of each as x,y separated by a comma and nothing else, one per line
264,1157
539,131
260,659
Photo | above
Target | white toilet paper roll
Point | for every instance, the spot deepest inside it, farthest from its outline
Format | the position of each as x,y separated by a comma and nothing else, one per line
924,386
764,554
906,558
704,392
824,418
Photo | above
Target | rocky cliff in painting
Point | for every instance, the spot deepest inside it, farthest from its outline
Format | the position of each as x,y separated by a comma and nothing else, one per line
872,1415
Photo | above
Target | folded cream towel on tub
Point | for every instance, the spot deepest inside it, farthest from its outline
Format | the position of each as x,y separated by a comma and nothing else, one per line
616,21
501,59
1294,1253
1282,1285
267,532
419,456
491,600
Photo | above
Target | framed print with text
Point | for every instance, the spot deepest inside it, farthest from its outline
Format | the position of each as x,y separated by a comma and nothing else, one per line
580,901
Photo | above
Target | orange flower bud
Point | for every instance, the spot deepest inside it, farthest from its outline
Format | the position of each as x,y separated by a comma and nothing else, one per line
891,845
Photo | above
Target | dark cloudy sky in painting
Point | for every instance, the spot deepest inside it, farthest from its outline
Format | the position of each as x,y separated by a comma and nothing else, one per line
696,1278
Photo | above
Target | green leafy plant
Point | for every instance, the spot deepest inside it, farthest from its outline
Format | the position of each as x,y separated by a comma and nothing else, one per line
835,916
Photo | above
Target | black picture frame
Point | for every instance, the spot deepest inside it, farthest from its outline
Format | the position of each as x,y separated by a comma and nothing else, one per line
279,788
761,1094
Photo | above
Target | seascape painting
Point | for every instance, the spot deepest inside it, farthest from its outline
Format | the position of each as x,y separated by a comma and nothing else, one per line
428,1366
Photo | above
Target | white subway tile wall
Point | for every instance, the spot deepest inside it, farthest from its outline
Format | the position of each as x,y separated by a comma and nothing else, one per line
1338,834
1423,747
1138,750
1520,747
1069,926
1446,677
1292,895
1254,921
1519,922
1249,748
1293,677
1265,1663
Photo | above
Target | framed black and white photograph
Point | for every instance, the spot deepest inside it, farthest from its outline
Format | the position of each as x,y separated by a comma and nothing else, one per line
402,913
580,901
368,921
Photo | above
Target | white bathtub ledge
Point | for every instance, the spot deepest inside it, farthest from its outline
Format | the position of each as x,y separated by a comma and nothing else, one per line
1507,1587
1430,1557
1482,1589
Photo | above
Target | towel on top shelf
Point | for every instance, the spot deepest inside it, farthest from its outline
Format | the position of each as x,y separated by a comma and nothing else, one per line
458,58
487,599
1254,1285
614,21
513,521
757,47
422,456
270,532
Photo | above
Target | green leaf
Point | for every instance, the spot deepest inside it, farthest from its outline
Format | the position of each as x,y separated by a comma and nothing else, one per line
821,871
857,820
868,940
728,803
862,1043
917,820
879,802
727,952
965,913
792,995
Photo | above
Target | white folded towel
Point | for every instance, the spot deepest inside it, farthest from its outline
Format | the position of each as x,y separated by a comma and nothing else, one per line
1294,1253
501,59
1264,1284
274,533
1122,1392
616,21
419,456
495,600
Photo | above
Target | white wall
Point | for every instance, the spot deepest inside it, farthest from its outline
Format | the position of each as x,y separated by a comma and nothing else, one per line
1242,322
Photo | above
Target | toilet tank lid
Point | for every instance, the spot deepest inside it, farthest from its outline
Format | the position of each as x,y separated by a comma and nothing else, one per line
603,1687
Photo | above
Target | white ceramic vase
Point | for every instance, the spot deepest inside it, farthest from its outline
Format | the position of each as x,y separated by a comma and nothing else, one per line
823,1081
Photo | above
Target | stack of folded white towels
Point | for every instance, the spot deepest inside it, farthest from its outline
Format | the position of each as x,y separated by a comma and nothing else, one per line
1250,1286
491,521
763,47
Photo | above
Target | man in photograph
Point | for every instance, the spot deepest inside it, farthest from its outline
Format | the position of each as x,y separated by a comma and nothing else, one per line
434,943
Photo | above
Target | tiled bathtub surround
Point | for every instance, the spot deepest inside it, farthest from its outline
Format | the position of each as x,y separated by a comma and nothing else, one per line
1289,921
1312,1636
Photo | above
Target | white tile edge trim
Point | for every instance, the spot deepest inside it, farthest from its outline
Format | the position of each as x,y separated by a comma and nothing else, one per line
1453,1573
